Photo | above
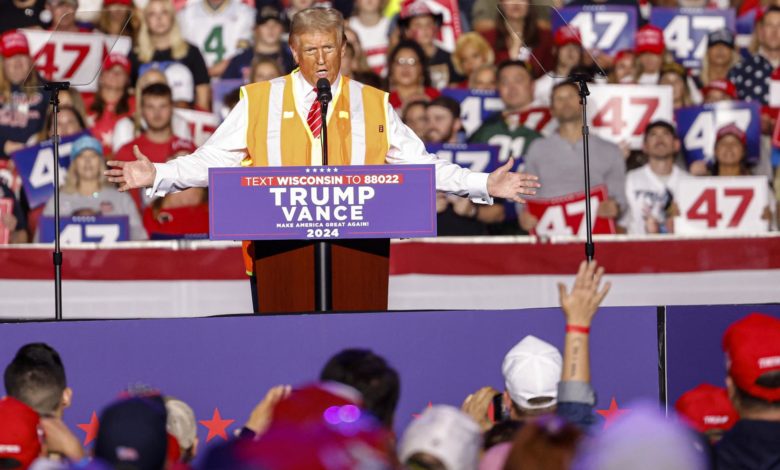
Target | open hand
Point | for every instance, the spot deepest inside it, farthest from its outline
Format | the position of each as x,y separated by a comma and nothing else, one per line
507,184
581,304
131,175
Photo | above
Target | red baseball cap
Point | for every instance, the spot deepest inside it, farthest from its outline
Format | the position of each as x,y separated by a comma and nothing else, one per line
623,53
752,347
315,403
117,59
706,408
650,39
14,42
731,129
567,35
118,2
19,440
726,86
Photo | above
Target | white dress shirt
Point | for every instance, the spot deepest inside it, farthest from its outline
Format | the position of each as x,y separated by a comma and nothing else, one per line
227,147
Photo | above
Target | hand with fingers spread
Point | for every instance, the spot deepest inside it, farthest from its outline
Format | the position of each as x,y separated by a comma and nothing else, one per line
131,175
580,305
505,183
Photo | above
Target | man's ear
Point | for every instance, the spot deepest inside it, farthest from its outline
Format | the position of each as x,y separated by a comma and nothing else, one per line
67,398
457,125
676,145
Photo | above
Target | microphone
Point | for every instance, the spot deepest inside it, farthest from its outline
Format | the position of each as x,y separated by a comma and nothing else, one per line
323,91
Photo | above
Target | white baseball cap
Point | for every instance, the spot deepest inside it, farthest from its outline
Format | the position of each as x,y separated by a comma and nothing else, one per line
444,432
181,82
532,369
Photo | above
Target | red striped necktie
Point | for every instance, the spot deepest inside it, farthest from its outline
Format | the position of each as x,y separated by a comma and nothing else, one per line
315,118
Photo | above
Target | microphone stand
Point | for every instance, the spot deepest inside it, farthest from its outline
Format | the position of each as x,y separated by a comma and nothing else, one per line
584,92
322,253
54,88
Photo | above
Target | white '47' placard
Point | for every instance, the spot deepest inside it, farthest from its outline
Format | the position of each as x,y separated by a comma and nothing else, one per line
620,113
722,204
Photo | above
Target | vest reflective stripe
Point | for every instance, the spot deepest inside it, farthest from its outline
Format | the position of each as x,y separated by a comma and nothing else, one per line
358,132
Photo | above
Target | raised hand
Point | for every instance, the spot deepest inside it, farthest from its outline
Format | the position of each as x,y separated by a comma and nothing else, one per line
505,183
131,175
581,304
260,418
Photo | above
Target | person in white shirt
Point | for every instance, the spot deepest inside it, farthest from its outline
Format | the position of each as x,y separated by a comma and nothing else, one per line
650,189
373,30
316,40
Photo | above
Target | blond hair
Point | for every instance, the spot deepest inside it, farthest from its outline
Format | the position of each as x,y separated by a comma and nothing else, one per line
71,185
476,41
317,19
153,75
145,49
29,87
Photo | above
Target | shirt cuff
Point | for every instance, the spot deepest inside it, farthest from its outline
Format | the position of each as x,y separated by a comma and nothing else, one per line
164,175
477,185
576,391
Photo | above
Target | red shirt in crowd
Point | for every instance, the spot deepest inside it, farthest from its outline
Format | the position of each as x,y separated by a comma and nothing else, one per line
397,104
542,50
157,153
177,222
103,127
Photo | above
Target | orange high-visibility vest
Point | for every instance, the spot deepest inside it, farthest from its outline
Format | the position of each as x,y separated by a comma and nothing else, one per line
277,135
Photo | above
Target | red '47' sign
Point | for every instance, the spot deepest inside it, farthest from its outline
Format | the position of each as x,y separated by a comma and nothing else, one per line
620,113
722,204
565,215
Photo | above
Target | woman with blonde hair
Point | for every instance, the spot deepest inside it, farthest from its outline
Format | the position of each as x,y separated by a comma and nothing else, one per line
86,191
160,42
721,55
472,51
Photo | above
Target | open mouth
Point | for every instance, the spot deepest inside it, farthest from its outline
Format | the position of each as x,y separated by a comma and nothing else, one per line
322,73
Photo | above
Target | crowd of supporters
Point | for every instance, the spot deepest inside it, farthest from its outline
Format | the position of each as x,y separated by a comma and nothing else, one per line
543,418
181,54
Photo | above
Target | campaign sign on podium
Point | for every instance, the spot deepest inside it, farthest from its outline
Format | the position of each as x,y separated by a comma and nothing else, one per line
324,202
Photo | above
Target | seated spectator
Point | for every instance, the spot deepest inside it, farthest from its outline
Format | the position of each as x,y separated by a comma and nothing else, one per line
456,216
268,44
483,78
86,191
442,437
472,52
557,160
22,102
128,128
373,29
720,57
420,24
181,424
719,90
117,18
180,79
69,122
568,56
112,101
183,214
650,51
160,42
624,67
407,75
751,74
752,349
224,29
132,434
369,374
348,60
414,116
708,410
520,35
15,220
63,16
157,140
675,75
650,189
264,69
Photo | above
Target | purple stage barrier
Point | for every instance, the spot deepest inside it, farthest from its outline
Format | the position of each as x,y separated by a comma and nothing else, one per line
228,363
694,352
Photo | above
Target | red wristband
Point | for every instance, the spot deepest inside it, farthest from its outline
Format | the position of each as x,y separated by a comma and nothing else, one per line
578,329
